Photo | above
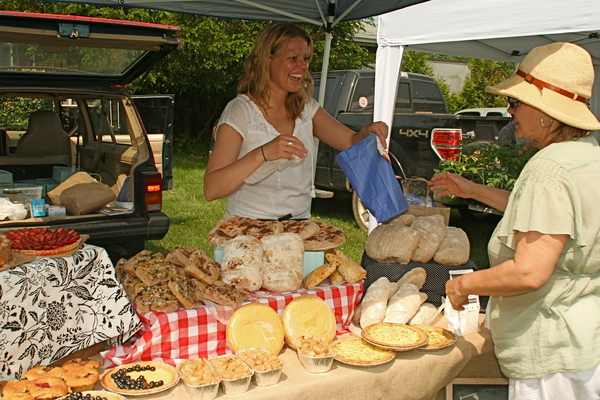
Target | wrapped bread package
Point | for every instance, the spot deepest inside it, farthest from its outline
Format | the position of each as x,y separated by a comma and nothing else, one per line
283,262
433,232
404,304
392,243
242,264
454,249
374,303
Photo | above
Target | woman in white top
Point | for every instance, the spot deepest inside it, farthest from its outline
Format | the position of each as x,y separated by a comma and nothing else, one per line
264,152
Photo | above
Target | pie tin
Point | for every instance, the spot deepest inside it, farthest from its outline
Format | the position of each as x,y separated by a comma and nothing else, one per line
207,391
167,385
234,386
316,365
264,378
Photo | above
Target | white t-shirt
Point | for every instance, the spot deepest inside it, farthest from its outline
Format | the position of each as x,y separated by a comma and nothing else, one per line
288,190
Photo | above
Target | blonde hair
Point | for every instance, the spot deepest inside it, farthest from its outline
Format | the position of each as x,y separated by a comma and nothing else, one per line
270,41
566,132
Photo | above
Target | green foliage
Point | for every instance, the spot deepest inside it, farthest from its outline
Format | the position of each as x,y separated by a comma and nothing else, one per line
14,112
493,164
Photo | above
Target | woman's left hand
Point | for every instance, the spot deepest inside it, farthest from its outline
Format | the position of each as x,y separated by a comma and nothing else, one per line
456,299
378,128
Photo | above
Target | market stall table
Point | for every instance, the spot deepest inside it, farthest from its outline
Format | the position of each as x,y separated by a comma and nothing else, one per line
413,375
53,307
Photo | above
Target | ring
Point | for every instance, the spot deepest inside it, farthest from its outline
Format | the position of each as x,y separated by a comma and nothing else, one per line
290,144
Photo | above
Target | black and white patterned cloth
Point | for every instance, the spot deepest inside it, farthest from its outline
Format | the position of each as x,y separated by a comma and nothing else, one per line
54,306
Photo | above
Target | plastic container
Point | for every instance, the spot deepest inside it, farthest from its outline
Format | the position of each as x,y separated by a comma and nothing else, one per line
21,193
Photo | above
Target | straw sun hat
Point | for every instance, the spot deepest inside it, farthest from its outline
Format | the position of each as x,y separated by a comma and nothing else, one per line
557,79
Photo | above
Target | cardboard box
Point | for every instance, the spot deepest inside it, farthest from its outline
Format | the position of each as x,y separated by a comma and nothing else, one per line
420,211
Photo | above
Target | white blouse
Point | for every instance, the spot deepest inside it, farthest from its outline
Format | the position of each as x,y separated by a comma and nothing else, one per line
288,187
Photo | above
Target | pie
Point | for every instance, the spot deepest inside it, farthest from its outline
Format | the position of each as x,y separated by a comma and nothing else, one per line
398,337
152,371
232,226
439,338
328,237
220,292
43,242
356,351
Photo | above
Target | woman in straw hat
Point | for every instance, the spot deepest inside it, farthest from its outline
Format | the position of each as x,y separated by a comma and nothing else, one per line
545,253
264,152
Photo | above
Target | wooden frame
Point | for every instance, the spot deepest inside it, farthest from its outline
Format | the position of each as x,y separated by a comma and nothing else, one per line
473,381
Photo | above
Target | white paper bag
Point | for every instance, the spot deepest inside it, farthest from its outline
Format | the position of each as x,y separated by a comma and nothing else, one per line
464,321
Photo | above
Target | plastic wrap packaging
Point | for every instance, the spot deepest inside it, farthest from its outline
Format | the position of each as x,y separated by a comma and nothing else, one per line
465,321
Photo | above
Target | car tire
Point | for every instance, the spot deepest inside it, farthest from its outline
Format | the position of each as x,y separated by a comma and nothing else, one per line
361,214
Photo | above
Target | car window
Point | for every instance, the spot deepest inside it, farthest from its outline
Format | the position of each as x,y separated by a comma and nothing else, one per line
108,120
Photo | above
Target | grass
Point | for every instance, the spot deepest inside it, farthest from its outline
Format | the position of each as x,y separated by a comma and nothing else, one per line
192,217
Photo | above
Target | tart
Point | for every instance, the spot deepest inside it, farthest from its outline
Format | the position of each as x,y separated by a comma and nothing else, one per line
439,338
16,387
48,388
44,370
93,395
76,363
356,351
398,337
81,379
44,242
18,396
158,376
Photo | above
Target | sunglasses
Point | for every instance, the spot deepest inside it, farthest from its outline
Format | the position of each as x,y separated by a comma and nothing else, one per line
512,102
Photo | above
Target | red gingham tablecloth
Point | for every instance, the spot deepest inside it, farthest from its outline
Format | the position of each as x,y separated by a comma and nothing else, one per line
200,332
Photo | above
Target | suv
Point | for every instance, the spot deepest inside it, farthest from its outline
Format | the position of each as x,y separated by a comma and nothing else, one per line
65,109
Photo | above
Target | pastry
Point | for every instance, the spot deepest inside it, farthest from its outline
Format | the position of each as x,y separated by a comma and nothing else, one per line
81,379
148,377
318,275
197,372
351,271
48,388
183,288
15,387
202,267
75,363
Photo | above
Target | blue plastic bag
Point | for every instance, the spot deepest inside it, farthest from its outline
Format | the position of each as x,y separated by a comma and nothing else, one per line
373,178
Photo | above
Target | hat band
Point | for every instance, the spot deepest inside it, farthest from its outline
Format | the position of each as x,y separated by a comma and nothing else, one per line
541,84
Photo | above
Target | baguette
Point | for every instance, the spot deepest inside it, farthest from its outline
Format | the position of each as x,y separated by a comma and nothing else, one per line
404,304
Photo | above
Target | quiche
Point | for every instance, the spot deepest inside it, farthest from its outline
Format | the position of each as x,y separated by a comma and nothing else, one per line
398,337
439,338
356,351
158,376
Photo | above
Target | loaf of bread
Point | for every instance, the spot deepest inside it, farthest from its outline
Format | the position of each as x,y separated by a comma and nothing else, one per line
404,304
417,276
403,220
242,264
374,303
392,243
433,231
454,249
424,315
283,262
351,271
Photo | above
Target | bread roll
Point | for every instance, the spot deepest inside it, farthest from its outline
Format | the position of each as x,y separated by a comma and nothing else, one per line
242,264
454,249
283,262
351,271
433,231
404,304
374,303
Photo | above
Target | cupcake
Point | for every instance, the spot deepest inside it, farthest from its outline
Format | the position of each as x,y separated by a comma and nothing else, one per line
47,388
81,379
76,363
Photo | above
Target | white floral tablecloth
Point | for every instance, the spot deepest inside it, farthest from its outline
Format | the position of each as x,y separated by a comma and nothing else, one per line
54,306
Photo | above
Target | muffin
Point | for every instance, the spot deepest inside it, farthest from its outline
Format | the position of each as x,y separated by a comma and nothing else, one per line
81,379
76,363
47,388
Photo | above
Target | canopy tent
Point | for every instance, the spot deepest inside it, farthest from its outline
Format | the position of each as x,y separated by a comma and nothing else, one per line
327,13
503,30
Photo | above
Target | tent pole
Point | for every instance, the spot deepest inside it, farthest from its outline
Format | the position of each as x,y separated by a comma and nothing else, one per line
325,67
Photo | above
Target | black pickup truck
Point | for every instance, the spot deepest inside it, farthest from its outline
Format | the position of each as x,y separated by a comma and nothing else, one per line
422,132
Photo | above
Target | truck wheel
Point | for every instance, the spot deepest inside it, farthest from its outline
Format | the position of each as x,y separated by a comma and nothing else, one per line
361,214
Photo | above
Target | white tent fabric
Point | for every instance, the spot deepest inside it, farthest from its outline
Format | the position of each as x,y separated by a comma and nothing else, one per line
503,30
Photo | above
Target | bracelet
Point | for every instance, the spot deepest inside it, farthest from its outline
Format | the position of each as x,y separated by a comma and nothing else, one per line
263,153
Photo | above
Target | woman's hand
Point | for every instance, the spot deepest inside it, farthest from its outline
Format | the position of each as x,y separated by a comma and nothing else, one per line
284,146
376,128
449,184
457,300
